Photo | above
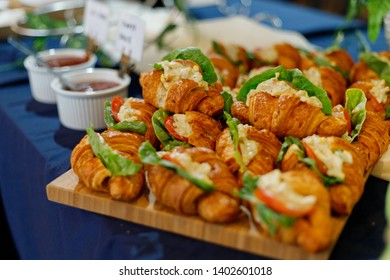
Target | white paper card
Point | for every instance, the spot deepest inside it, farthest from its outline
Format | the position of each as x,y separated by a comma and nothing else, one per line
96,20
130,36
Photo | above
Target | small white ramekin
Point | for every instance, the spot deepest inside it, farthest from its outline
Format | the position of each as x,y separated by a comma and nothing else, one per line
40,78
78,110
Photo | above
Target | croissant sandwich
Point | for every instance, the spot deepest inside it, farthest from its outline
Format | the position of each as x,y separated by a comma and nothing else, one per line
338,59
330,80
246,148
226,71
109,163
373,139
292,207
286,103
192,181
188,129
131,115
236,54
279,54
183,81
336,163
371,66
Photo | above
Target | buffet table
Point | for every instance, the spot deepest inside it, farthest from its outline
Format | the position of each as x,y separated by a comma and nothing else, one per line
35,149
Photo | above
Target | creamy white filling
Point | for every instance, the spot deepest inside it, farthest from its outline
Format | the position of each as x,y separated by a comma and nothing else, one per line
276,87
196,169
174,71
181,125
380,90
127,113
333,160
248,148
313,74
273,184
269,55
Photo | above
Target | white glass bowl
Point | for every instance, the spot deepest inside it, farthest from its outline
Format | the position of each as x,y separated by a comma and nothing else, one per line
40,77
78,110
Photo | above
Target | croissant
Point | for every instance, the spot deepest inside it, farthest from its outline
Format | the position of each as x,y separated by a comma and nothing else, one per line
172,190
259,149
136,109
341,59
368,65
235,53
373,139
334,157
288,115
279,54
310,224
94,175
362,72
226,71
197,129
180,88
377,94
330,80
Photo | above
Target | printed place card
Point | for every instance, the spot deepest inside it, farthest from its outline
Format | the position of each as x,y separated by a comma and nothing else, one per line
130,36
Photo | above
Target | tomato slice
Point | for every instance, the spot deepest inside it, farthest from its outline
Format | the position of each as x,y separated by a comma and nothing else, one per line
310,153
116,104
170,158
168,122
375,104
279,206
348,118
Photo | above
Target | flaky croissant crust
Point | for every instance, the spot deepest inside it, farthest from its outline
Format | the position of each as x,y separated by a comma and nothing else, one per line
204,129
181,96
265,159
343,196
176,192
287,116
313,232
93,174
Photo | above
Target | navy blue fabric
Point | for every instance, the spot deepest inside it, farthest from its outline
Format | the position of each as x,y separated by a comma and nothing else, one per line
35,149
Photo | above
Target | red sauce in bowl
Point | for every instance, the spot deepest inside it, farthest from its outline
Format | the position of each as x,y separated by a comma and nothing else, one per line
66,61
95,86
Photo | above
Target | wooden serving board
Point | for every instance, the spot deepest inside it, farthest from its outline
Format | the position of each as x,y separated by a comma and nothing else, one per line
240,235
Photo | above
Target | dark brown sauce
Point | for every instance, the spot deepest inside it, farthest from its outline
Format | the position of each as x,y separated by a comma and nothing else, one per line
95,86
65,61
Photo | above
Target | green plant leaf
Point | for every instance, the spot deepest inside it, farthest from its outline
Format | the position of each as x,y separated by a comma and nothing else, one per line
355,102
148,155
379,66
196,55
125,126
295,77
115,163
162,133
235,136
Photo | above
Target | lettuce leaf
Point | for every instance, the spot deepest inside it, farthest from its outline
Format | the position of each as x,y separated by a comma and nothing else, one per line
124,126
355,102
148,155
379,66
271,218
162,133
295,77
196,55
289,141
232,124
228,101
115,163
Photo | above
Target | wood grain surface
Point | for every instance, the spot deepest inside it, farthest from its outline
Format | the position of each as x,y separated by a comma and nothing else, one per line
240,235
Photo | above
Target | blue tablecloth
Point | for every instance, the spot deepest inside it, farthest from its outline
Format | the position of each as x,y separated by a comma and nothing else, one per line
35,149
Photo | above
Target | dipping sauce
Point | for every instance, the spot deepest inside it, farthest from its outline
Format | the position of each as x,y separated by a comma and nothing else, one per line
95,86
66,60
